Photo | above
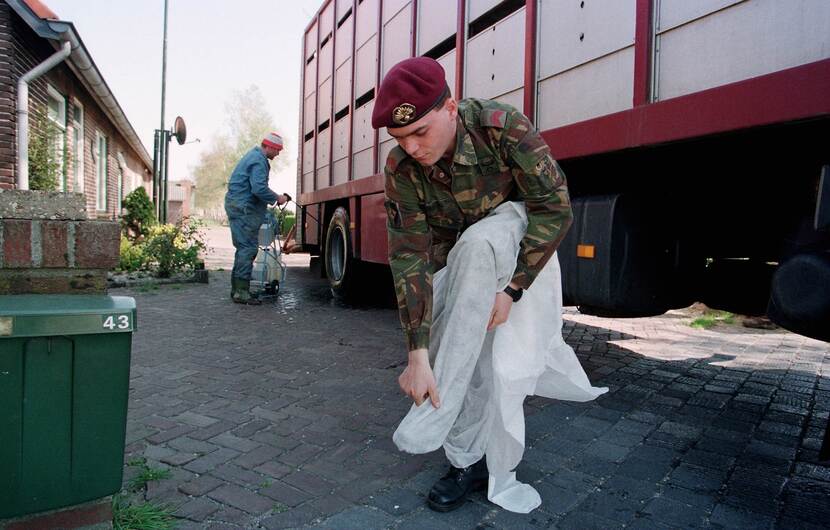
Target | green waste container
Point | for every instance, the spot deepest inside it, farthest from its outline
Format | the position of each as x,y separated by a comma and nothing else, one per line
64,380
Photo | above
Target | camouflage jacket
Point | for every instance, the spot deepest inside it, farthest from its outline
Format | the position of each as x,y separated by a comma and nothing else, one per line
499,156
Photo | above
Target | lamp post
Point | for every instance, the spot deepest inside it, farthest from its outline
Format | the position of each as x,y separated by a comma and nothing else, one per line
161,141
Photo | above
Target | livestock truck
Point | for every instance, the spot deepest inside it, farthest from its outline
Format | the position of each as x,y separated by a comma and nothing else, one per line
695,136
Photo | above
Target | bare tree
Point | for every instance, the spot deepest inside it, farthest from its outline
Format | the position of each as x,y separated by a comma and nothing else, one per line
247,122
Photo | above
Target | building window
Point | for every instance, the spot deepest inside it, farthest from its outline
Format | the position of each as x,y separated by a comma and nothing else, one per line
77,147
56,112
122,168
100,152
120,185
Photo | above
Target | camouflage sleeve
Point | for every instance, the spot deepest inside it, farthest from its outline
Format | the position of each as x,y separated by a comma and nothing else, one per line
409,246
542,187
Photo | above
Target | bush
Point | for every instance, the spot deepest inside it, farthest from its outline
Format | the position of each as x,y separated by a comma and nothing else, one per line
140,214
174,248
131,258
287,220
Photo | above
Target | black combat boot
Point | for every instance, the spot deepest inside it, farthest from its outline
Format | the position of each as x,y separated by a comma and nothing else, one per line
452,489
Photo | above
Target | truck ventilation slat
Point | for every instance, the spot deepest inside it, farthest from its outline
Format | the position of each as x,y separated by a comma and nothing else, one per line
365,98
442,48
498,13
345,18
342,113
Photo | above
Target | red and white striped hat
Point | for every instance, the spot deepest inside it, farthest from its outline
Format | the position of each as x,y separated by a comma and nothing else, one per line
272,139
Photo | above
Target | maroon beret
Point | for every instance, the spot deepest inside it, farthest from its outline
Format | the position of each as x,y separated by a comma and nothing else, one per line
412,88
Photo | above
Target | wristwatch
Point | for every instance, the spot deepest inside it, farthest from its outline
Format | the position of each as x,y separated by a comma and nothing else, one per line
515,294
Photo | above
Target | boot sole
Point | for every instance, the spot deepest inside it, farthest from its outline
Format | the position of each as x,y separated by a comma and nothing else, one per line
246,302
444,508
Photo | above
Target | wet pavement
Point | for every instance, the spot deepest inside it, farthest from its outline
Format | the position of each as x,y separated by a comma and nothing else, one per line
281,416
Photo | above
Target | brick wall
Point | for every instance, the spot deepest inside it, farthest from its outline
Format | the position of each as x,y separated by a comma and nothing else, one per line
48,244
20,50
7,77
47,247
26,51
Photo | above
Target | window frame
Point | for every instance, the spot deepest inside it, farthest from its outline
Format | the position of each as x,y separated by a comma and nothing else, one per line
122,172
78,142
60,122
101,164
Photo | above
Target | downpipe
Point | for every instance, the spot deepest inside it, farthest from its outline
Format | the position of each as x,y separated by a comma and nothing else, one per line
23,111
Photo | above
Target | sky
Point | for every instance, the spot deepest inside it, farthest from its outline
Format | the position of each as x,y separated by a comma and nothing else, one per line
214,47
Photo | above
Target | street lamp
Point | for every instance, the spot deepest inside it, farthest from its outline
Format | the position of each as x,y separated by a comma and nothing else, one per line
161,142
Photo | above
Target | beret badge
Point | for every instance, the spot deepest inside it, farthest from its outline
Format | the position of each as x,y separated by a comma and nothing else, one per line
403,113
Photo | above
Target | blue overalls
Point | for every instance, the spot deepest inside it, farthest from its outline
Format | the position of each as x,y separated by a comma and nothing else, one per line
245,203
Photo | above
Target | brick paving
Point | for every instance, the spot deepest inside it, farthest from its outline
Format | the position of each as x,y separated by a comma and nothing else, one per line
281,416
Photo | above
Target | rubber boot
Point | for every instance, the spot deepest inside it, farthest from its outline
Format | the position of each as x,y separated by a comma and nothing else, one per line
241,292
234,286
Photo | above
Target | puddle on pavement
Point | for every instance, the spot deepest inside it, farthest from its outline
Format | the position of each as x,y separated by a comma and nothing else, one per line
292,299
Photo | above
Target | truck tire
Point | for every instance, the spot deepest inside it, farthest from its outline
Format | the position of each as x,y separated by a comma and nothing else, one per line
341,267
800,295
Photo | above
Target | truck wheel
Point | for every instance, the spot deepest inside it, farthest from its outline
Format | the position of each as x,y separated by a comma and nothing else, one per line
341,267
800,295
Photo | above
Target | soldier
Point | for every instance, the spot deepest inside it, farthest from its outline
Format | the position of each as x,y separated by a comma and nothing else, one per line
475,202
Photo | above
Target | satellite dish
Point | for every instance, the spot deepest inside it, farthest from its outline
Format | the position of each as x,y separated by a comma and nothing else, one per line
180,130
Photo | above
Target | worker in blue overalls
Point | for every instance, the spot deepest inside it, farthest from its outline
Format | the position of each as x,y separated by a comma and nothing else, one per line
246,204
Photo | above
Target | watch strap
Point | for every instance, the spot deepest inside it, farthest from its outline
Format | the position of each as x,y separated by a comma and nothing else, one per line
515,294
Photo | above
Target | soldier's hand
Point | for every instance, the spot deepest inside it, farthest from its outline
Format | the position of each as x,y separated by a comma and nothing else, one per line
417,380
500,311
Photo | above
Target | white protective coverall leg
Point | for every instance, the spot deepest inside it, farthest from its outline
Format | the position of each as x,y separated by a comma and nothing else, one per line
483,378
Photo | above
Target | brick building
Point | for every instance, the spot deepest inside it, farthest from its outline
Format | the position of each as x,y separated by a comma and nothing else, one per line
180,195
101,156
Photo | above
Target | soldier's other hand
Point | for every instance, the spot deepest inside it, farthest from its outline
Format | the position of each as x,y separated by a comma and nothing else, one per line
282,199
500,311
417,380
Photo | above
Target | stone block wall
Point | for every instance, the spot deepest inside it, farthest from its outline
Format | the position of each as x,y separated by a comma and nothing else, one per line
47,246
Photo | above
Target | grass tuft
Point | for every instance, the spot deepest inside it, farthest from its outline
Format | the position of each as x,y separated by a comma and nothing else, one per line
711,318
144,516
145,475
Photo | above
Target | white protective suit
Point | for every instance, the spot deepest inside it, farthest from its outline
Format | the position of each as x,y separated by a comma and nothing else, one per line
483,378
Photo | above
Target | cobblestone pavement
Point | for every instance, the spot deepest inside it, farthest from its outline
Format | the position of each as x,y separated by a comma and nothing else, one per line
281,416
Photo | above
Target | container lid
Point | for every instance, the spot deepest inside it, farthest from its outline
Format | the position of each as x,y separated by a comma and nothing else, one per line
39,315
